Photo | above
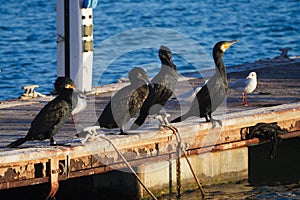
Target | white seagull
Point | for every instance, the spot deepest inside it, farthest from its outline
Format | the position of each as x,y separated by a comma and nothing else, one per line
245,85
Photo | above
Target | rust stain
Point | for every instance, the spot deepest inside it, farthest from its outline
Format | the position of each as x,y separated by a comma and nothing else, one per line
143,151
101,160
10,175
130,154
77,164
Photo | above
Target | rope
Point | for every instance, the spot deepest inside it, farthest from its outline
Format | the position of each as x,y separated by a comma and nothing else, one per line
178,138
178,172
170,175
267,131
92,133
128,165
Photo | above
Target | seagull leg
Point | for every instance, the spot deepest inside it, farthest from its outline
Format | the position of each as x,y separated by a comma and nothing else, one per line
73,119
245,99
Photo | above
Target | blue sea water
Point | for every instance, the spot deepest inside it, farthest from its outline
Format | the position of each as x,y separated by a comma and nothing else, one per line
132,31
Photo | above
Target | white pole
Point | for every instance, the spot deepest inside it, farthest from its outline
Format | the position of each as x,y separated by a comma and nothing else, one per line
60,38
74,21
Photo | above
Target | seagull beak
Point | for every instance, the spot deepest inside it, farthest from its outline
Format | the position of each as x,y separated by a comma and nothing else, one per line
79,92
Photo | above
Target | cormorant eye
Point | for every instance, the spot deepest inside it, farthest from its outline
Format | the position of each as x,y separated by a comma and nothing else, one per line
69,86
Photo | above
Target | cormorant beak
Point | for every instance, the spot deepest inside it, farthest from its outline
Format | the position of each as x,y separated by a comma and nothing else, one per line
227,45
168,61
165,55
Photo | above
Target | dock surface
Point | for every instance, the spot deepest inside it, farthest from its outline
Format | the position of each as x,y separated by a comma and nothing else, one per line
276,98
277,85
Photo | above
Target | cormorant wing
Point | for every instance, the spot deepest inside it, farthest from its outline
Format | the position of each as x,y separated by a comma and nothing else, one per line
120,105
50,118
205,93
150,100
203,96
208,96
137,99
113,115
159,95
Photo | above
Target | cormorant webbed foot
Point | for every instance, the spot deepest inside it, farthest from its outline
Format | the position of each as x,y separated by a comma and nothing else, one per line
61,144
122,132
215,121
54,143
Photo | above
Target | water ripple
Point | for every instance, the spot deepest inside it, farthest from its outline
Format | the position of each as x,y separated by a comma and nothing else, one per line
28,35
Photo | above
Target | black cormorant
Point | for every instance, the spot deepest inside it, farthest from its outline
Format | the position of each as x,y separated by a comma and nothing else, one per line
213,93
53,115
163,87
127,102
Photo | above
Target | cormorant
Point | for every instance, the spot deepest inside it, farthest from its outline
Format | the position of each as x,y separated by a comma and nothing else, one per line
245,85
213,93
163,87
81,98
53,115
127,102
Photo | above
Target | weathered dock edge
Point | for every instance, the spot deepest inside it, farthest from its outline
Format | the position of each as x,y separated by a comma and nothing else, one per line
217,155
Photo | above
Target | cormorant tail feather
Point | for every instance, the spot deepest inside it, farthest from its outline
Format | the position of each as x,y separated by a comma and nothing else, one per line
17,143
